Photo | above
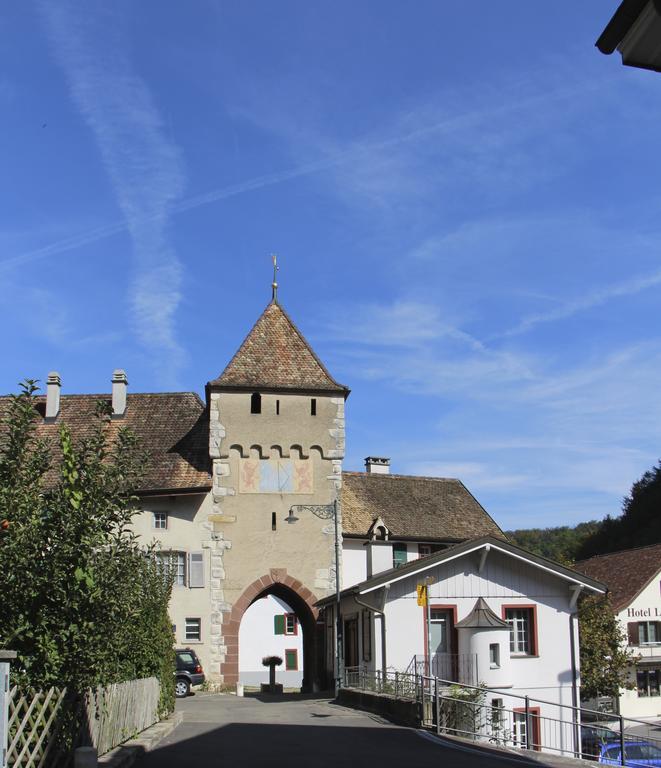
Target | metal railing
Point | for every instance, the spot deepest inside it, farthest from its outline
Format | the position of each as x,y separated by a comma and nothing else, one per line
500,717
400,685
458,667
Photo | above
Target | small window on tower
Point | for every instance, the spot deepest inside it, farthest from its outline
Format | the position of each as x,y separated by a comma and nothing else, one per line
313,406
277,407
255,403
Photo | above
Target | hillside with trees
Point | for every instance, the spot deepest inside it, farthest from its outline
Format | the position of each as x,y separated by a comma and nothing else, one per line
561,543
637,526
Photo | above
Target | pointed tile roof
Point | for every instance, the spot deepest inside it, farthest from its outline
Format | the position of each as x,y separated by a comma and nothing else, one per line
275,355
482,617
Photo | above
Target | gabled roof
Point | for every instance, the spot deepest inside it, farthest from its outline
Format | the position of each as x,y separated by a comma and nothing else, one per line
276,355
427,508
626,572
172,428
485,544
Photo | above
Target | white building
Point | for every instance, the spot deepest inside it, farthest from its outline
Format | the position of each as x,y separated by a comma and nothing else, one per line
500,617
633,577
222,474
270,628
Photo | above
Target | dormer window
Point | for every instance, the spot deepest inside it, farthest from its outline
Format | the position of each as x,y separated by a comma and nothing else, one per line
255,403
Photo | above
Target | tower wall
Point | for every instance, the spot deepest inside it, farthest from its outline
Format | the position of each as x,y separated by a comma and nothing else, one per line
262,465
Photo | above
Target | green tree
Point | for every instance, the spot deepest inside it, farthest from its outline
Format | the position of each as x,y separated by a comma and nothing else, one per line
639,524
605,659
560,543
82,603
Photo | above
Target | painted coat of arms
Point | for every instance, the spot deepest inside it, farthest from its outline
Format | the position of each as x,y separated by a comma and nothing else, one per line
275,476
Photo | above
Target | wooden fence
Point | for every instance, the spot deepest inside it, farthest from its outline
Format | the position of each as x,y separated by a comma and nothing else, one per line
107,716
120,711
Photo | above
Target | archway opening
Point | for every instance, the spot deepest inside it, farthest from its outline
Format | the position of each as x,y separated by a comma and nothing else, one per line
279,622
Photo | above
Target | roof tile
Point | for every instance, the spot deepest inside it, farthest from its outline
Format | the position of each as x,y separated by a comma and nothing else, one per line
626,573
172,427
275,355
433,508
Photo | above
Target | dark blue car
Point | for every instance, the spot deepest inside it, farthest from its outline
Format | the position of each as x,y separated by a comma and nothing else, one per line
636,753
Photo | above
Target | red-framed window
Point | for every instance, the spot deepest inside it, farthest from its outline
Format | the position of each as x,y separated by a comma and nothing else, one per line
523,629
520,725
291,659
291,624
285,624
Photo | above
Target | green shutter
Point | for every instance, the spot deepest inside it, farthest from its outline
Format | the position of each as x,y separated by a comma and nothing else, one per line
291,660
279,624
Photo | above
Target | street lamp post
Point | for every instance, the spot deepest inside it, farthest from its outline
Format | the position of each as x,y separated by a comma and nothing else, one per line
326,512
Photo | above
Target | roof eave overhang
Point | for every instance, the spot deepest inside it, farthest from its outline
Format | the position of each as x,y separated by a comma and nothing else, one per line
635,31
394,575
175,491
215,387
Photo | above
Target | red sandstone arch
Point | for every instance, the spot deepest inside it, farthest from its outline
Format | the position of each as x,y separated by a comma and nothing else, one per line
232,619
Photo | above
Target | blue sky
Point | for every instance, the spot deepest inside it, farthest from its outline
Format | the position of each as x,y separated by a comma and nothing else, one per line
464,201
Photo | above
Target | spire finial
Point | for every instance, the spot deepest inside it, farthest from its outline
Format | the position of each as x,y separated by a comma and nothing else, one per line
274,284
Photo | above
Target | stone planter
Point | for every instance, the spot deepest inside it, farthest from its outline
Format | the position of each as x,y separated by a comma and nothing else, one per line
271,687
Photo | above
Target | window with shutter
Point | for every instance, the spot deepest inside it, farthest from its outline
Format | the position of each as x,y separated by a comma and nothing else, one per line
632,632
279,624
291,659
196,569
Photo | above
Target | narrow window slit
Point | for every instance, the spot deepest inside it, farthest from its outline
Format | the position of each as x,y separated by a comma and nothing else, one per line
313,406
273,521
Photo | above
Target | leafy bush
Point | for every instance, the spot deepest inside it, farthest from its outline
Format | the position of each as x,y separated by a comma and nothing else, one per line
83,604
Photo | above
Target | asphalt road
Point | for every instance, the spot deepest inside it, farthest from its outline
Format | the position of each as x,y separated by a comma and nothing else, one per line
223,730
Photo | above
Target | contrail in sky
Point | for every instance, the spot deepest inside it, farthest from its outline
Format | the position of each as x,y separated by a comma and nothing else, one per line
449,124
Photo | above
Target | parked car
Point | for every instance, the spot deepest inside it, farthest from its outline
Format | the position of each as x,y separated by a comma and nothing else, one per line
188,672
593,737
636,753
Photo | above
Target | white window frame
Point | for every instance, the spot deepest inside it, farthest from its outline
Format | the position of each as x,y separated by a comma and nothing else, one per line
193,629
644,631
294,621
521,639
178,566
159,516
494,655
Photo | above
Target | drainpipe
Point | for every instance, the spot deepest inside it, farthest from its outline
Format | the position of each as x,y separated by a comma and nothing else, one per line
379,615
574,685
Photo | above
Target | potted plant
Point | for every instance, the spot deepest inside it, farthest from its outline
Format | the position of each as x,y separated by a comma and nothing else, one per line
271,662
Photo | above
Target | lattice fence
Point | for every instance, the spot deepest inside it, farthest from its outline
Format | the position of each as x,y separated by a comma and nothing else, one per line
32,724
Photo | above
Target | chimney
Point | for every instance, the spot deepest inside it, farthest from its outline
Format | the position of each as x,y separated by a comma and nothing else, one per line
119,384
53,387
377,465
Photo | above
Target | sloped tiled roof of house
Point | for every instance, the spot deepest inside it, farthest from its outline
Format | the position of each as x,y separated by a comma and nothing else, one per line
172,427
626,573
434,508
275,355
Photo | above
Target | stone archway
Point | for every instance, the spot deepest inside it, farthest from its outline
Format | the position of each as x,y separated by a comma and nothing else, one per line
277,582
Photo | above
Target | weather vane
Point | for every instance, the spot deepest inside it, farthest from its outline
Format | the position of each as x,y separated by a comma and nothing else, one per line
274,284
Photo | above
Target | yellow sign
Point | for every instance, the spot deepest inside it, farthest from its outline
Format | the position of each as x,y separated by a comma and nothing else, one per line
421,589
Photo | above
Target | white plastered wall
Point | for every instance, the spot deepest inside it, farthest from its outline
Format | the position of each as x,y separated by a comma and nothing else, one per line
645,607
187,529
257,639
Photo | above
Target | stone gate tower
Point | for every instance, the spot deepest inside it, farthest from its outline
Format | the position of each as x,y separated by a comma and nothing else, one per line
276,438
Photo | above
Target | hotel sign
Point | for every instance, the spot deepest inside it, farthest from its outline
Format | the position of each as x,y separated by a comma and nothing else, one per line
643,613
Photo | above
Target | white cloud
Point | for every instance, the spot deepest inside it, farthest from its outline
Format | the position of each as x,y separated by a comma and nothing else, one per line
144,166
523,430
593,298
